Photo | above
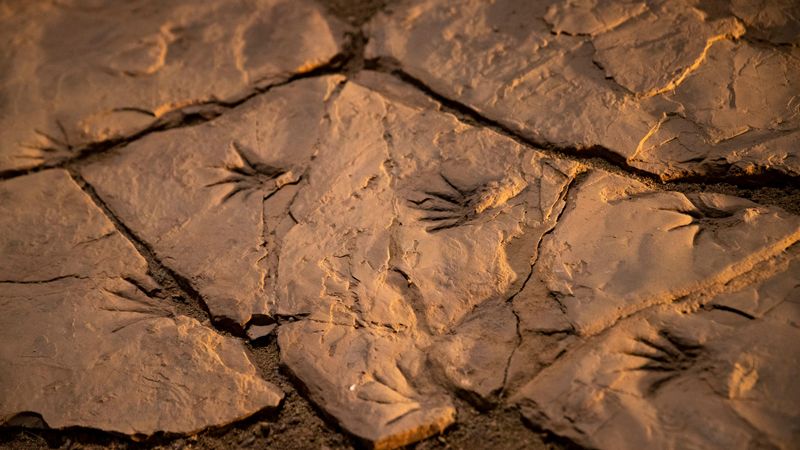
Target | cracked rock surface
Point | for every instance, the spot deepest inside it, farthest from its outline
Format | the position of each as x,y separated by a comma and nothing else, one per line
732,361
443,213
204,197
72,76
675,88
84,344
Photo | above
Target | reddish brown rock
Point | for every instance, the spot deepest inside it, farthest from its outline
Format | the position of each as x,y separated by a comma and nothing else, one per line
478,260
369,232
776,21
621,247
671,378
201,196
372,381
259,332
83,343
101,354
738,108
662,61
665,85
402,256
74,74
52,230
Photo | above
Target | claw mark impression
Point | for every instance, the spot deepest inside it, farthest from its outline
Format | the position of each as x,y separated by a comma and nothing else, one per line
457,206
703,216
252,176
50,146
670,356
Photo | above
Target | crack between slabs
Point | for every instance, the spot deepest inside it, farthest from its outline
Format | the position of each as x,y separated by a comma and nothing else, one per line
190,115
514,350
305,395
48,280
673,84
265,247
768,264
563,195
731,309
167,279
619,164
653,130
266,232
163,275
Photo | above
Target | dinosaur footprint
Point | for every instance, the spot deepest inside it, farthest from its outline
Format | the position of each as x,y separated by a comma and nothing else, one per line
251,176
669,357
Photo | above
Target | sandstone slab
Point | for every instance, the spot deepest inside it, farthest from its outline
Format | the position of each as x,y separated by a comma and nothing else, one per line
667,86
639,249
621,247
408,257
259,332
402,256
201,196
454,241
52,230
776,21
372,382
73,73
82,341
671,378
398,248
361,223
101,354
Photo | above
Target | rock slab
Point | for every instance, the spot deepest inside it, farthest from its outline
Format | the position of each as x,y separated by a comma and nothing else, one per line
83,341
675,88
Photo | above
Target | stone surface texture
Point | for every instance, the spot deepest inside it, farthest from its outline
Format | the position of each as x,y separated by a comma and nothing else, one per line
72,76
408,212
633,384
674,88
83,342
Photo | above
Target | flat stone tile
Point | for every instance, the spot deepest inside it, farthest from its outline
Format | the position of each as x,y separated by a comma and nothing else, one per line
669,378
407,257
83,340
78,72
201,196
669,87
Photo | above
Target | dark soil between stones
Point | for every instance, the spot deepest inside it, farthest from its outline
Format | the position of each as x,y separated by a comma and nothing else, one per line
296,425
